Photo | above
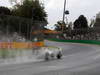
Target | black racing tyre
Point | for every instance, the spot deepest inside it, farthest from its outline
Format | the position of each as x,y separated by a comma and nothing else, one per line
46,56
59,55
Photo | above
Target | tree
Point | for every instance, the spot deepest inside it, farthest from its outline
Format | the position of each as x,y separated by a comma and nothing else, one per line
5,10
97,21
30,14
70,26
81,23
57,27
60,25
80,27
92,22
3,19
32,9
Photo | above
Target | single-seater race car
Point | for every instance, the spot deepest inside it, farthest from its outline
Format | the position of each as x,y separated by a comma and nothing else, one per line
52,52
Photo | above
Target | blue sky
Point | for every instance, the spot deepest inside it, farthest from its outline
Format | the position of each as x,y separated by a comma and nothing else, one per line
54,8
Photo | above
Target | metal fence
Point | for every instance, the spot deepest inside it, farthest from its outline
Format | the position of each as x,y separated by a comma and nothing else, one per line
18,30
19,27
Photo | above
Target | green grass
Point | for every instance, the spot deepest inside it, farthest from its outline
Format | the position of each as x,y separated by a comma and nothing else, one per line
10,53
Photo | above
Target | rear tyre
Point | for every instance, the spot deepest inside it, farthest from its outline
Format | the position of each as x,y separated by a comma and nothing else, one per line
59,55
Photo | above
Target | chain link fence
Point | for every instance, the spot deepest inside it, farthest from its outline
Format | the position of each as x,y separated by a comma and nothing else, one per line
18,26
20,30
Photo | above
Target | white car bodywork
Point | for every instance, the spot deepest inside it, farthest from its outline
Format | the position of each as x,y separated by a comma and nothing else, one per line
52,52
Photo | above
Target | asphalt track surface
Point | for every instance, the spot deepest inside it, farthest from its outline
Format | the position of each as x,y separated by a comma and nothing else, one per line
78,59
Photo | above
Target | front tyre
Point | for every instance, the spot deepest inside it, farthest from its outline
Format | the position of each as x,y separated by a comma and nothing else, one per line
46,56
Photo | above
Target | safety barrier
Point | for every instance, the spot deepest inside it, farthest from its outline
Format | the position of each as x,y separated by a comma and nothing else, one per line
20,44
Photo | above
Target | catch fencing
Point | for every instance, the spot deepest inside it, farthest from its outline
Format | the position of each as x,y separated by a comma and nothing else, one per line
16,36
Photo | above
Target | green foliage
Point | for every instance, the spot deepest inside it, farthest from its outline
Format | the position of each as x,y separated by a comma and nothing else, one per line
30,9
59,26
81,22
5,10
3,53
97,20
92,22
23,18
97,23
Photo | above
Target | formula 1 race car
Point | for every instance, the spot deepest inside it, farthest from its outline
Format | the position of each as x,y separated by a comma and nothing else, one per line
52,52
